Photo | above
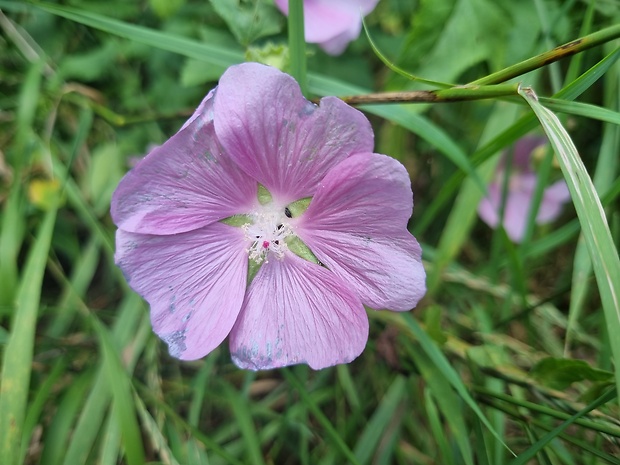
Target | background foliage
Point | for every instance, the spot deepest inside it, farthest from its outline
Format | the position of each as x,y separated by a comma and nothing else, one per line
508,360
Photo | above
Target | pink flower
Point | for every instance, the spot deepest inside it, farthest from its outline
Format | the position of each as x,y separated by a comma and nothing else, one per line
213,222
521,186
332,23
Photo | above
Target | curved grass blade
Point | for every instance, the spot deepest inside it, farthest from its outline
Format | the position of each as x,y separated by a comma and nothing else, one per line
396,69
592,218
581,109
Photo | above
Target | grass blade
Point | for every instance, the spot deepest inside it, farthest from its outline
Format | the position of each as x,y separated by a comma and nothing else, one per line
524,457
451,376
297,43
320,416
590,212
17,362
378,425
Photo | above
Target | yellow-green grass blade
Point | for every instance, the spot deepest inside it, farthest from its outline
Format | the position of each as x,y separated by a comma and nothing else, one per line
17,360
595,230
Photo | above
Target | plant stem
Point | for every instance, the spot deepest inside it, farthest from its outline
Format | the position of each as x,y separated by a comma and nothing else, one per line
297,43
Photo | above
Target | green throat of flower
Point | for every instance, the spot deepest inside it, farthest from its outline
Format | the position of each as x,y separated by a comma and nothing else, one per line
270,232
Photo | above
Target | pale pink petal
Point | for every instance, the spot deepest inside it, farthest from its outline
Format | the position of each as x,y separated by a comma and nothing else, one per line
554,198
489,206
337,45
516,212
298,312
332,24
357,226
522,152
280,139
195,283
182,185
204,112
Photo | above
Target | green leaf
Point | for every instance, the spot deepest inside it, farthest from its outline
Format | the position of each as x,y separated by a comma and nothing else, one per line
166,8
249,20
560,373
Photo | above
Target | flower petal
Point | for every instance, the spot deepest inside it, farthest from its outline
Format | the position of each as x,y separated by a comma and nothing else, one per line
356,225
298,312
554,198
518,204
195,283
489,206
325,20
184,184
279,138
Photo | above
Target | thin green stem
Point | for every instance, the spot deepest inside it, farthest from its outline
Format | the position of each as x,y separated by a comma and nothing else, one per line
454,94
297,43
563,51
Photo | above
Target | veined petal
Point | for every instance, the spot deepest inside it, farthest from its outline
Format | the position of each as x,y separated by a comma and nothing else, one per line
386,273
298,312
195,283
184,184
366,193
279,138
356,225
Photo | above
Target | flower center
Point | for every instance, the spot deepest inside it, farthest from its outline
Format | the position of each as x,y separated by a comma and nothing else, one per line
267,234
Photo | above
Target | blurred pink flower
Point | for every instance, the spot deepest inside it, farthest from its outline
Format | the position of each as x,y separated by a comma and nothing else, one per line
521,186
195,221
332,23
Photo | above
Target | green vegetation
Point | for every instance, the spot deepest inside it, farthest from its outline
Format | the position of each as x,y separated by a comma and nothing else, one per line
508,360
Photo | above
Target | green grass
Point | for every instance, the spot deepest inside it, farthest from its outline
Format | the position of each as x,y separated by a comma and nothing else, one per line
85,86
